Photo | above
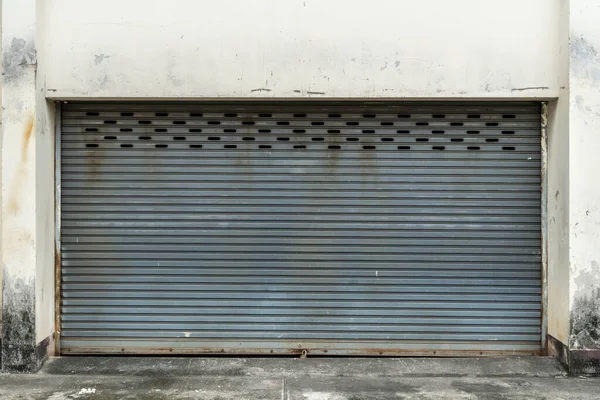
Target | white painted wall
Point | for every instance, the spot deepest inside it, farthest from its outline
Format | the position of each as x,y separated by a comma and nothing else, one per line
558,193
584,167
301,48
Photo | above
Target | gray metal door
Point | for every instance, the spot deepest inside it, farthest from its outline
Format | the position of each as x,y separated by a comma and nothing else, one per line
338,228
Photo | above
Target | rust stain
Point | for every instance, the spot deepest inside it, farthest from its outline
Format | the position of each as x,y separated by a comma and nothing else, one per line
26,138
57,298
20,175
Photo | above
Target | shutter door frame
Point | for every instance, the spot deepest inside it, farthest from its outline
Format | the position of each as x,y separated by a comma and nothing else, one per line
370,346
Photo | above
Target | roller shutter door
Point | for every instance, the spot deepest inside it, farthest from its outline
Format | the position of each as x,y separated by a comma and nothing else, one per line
338,228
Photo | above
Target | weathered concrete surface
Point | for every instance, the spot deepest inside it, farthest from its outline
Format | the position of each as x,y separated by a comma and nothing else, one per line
291,379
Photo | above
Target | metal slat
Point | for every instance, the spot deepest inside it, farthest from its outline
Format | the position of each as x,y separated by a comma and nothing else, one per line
410,226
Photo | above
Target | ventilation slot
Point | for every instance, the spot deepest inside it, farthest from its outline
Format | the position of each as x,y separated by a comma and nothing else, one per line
214,138
438,148
422,123
334,147
473,132
145,138
387,123
299,115
439,116
128,145
91,129
160,130
196,114
229,130
508,148
508,132
473,148
509,116
195,146
264,146
265,115
248,138
126,130
179,138
299,131
161,114
437,132
230,146
403,115
248,122
283,139
368,131
456,124
299,146
403,147
214,122
110,137
144,122
92,114
422,140
317,123
369,147
473,116
352,139
491,124
351,123
110,122
230,115
491,140
402,131
196,130
333,131
179,122
369,115
334,115
456,140
387,139
318,139
92,145
161,146
124,114
264,131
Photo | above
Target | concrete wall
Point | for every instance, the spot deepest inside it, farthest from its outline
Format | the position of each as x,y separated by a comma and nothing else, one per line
27,190
18,183
584,166
301,48
558,191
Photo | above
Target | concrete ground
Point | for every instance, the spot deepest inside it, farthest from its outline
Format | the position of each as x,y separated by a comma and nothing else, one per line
104,378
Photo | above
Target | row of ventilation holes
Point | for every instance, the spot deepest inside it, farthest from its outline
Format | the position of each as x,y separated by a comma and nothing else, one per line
268,115
333,147
268,146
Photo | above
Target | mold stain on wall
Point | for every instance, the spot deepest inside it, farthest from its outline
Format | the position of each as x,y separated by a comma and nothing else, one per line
585,321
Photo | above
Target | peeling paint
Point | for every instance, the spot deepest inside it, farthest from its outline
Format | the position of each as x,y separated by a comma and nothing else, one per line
585,60
20,56
98,58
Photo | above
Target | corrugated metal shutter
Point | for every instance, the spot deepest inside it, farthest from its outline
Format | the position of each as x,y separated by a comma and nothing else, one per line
332,227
